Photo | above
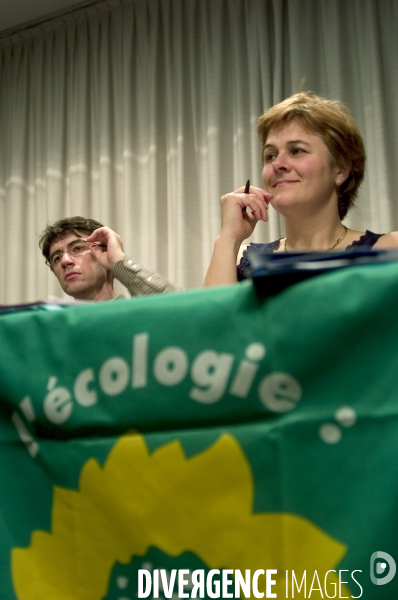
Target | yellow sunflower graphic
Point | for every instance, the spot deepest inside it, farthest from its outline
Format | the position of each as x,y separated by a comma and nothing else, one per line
138,500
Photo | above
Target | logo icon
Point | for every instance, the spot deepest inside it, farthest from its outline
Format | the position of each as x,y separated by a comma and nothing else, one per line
383,564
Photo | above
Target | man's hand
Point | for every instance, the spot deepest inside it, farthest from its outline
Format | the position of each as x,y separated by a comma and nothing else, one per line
114,246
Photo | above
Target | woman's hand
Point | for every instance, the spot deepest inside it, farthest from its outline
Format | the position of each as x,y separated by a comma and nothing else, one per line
241,212
105,236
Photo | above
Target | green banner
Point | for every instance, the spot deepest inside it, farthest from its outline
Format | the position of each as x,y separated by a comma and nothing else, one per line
203,444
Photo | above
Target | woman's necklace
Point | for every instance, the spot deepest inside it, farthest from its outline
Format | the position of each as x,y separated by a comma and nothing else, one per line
337,242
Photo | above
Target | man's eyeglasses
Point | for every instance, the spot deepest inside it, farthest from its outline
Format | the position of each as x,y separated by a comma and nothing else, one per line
74,249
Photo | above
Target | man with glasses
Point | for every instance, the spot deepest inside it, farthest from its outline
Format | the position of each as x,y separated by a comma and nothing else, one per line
85,257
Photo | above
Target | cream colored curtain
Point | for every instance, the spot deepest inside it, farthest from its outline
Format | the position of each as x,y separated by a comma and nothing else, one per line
142,113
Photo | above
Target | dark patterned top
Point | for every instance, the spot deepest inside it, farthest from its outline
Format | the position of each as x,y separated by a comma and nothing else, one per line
367,239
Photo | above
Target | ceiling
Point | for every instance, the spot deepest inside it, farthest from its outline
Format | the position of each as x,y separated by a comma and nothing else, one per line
17,14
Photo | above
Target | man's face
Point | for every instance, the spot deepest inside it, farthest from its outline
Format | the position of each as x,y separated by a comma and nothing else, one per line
78,272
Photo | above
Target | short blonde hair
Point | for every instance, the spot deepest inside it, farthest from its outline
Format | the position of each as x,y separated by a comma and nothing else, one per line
332,121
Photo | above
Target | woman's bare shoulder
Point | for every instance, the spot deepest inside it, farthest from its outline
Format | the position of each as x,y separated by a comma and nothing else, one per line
388,240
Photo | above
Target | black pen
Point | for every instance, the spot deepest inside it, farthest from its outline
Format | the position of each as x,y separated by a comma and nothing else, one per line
247,186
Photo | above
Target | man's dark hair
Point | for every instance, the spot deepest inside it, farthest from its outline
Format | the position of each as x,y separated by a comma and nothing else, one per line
60,229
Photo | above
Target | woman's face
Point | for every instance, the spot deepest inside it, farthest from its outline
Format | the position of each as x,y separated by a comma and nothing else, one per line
298,169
